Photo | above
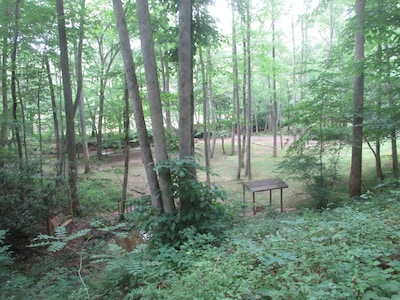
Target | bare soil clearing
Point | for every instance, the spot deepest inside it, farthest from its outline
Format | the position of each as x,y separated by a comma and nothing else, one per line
223,164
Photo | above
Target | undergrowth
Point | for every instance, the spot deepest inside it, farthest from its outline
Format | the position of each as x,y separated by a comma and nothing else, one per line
349,252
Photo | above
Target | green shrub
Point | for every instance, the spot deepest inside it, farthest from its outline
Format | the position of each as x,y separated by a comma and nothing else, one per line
22,204
317,167
200,207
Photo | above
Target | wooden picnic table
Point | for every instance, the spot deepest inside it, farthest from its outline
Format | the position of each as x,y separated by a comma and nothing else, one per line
264,185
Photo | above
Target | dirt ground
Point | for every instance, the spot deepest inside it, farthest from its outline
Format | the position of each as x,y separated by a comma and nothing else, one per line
224,164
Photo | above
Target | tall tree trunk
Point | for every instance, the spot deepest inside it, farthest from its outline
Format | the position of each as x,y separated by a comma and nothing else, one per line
393,136
274,100
165,88
294,70
356,154
236,100
79,85
185,80
206,130
153,91
23,119
4,85
122,206
59,147
211,111
249,123
39,112
104,75
69,110
99,137
244,101
16,126
133,90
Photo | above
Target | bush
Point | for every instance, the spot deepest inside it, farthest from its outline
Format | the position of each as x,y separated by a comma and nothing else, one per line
200,207
21,200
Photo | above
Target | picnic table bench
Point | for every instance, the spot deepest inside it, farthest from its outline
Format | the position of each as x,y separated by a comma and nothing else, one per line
264,185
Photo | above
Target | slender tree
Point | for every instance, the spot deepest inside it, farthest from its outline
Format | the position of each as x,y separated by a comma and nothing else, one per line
14,95
274,119
236,100
358,100
79,84
59,146
249,123
206,138
153,91
122,205
4,61
133,90
185,80
69,110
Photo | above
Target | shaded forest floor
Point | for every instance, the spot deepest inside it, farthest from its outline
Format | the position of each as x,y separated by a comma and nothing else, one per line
223,164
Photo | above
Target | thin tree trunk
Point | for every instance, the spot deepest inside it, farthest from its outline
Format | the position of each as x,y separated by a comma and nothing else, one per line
206,138
236,100
59,148
80,95
122,206
4,83
185,80
104,74
40,127
274,100
377,155
356,154
249,122
294,70
16,126
23,119
69,111
153,91
393,136
211,111
165,88
133,90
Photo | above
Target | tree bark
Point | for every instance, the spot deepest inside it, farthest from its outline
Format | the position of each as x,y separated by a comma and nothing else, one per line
133,90
249,123
206,138
122,206
393,135
210,105
236,100
104,74
153,91
80,95
14,96
59,147
274,100
165,88
4,87
358,100
69,110
185,80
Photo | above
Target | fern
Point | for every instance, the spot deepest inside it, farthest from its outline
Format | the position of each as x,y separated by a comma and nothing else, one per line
59,240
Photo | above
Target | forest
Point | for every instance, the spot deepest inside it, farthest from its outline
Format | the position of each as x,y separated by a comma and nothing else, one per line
128,130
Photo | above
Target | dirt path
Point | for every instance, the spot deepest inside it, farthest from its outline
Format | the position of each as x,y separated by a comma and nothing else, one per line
111,167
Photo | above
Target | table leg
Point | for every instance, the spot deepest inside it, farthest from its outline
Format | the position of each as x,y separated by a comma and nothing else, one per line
281,200
270,197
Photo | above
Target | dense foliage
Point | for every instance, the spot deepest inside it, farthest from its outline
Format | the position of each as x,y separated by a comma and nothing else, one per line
350,252
22,200
204,212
